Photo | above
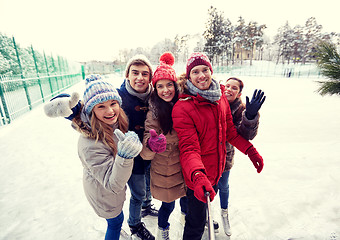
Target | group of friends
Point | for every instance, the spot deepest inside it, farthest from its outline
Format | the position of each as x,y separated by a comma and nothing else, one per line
167,137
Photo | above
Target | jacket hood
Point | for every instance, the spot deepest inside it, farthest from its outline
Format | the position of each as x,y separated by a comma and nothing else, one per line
181,81
82,127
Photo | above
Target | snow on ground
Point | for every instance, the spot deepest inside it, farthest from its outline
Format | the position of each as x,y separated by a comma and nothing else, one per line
296,196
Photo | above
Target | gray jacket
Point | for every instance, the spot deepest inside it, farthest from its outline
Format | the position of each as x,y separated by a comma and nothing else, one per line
105,175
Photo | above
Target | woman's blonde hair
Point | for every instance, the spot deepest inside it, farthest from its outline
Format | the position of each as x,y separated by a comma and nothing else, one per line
104,132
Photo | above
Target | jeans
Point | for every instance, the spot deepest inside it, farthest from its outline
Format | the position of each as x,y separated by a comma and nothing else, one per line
196,217
223,186
137,188
148,197
164,213
114,225
167,208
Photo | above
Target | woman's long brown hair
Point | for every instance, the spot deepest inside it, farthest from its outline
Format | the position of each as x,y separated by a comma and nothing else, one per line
104,132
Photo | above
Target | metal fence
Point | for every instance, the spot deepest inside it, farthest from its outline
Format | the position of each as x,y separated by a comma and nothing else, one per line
20,95
271,69
25,85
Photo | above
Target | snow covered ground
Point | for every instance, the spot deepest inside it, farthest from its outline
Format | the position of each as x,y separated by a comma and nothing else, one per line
297,195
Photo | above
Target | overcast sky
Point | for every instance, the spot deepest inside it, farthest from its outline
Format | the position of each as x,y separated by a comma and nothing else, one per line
87,29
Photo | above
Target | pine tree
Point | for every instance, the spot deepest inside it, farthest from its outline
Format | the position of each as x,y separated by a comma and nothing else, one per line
312,34
240,36
329,65
214,33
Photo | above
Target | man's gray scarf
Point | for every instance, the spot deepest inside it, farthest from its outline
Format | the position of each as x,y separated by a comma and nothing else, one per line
212,94
143,96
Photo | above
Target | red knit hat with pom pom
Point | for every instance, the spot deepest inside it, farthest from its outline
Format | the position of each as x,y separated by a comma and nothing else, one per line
164,69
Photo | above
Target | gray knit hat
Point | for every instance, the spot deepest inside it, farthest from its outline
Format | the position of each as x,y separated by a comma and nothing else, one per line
139,58
98,91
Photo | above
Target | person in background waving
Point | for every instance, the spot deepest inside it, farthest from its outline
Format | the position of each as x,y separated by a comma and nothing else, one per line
107,158
246,121
160,145
203,122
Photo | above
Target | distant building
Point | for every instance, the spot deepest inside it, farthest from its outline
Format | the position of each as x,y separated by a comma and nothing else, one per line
99,67
242,54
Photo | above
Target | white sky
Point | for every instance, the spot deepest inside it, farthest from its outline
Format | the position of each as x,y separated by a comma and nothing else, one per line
87,29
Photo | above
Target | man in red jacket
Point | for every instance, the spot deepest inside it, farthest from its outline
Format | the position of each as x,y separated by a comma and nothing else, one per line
203,122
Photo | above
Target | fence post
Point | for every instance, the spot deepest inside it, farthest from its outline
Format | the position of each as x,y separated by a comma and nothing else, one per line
37,70
66,69
55,71
67,77
48,74
22,76
60,71
4,104
83,71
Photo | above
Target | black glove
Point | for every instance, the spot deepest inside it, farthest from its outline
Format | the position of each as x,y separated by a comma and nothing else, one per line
255,104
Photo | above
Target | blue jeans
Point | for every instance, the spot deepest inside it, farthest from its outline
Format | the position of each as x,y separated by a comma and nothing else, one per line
114,225
167,208
148,197
137,188
164,214
223,186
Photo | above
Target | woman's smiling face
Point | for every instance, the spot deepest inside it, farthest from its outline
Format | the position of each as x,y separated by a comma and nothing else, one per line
165,89
107,112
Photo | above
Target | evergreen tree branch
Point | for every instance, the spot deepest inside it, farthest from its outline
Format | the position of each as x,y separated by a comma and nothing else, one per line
329,65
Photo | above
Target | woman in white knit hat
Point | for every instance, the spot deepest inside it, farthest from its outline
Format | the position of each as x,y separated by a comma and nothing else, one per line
107,158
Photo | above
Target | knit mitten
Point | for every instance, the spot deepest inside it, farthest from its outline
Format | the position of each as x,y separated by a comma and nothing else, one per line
256,158
63,105
201,186
156,143
129,145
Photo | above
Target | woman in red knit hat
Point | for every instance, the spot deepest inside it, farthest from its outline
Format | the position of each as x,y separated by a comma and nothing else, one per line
161,145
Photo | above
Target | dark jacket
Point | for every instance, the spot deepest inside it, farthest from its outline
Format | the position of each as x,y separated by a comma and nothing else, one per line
245,127
136,110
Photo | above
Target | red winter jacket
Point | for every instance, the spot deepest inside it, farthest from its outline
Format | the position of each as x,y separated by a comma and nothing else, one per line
203,129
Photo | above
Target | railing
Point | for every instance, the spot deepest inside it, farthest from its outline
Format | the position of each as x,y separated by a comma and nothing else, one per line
20,95
270,69
28,78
